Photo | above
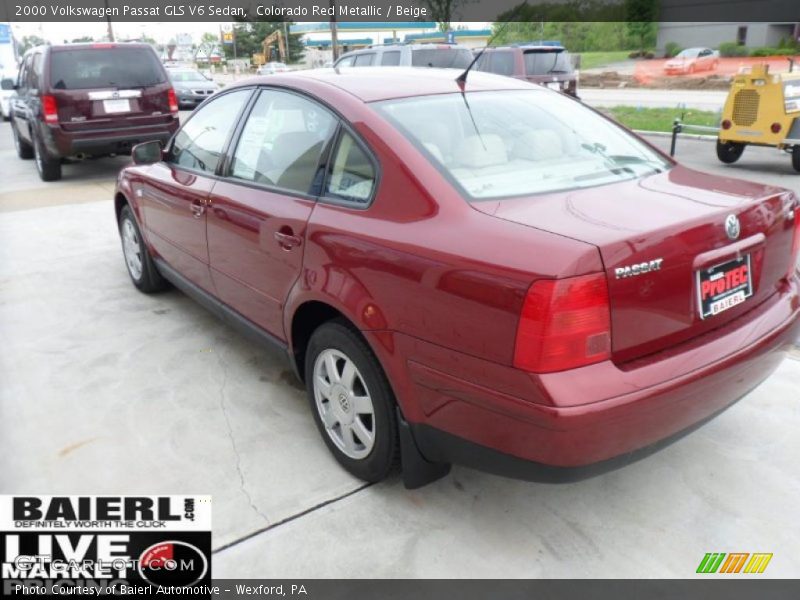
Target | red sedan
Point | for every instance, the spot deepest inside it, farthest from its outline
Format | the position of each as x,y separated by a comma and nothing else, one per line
496,276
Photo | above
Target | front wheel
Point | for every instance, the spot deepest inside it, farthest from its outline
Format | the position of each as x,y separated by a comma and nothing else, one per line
23,148
141,268
352,403
796,158
729,152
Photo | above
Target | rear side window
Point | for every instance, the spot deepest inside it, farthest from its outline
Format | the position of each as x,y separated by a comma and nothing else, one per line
441,58
502,63
544,63
282,142
120,67
390,59
352,176
364,60
198,145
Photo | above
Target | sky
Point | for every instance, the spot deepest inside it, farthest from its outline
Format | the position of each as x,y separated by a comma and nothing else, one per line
162,32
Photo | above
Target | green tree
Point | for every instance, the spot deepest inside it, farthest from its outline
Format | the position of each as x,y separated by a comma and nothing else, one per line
250,34
28,42
640,16
83,39
443,11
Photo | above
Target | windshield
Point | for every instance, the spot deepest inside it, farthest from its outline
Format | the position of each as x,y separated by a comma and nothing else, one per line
187,76
513,143
107,67
542,62
691,53
441,58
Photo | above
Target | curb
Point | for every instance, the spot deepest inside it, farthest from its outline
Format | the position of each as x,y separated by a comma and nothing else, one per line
668,134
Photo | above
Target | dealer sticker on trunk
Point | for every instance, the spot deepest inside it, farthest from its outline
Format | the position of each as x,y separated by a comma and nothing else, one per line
724,286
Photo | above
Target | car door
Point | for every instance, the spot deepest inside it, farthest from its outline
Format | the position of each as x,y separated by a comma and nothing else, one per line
174,196
259,210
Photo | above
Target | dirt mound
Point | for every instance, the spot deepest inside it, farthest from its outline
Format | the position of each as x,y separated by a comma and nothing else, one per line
612,79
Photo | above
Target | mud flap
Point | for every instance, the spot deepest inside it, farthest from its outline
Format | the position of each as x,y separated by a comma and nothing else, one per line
417,470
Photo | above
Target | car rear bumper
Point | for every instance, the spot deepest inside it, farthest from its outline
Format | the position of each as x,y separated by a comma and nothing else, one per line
103,142
460,421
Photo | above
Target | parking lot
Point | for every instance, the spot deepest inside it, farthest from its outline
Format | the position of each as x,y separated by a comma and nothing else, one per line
108,391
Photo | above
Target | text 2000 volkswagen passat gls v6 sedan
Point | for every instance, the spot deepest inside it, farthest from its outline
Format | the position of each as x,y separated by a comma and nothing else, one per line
497,276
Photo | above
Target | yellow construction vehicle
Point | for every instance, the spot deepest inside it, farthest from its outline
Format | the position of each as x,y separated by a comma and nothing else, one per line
762,109
266,49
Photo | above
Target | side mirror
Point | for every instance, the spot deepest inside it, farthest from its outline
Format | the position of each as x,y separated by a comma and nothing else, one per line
7,84
147,153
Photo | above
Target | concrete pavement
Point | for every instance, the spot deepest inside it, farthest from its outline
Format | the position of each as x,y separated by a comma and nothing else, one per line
106,390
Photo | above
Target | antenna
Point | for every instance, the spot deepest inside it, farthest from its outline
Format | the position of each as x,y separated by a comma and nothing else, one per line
462,79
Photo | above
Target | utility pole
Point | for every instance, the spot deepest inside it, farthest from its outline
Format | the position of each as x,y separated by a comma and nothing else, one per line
334,36
108,21
286,40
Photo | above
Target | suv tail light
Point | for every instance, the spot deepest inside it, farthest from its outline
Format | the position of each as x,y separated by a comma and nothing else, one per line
50,109
565,323
173,101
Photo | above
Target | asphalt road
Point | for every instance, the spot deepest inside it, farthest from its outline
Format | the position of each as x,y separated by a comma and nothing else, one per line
105,390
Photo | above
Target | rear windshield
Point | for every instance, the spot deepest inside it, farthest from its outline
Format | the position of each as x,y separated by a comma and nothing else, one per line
544,62
441,58
517,143
104,67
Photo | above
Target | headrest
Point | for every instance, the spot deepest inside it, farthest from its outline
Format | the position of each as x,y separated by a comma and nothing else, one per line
479,151
539,144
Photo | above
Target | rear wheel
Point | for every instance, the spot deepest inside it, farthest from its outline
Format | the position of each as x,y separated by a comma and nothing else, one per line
729,152
141,268
49,168
796,158
352,403
23,148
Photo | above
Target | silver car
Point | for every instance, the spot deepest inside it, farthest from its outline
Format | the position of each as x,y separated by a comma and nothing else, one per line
442,56
191,87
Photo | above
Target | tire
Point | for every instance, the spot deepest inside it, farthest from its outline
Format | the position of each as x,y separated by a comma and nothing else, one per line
49,168
24,149
332,346
140,265
796,158
729,152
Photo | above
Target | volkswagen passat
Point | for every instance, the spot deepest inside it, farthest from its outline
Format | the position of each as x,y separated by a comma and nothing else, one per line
494,275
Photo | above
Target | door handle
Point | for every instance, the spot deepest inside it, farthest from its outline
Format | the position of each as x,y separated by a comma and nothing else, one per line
286,238
198,208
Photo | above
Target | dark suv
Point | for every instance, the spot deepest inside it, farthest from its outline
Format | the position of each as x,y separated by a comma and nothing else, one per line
80,100
548,64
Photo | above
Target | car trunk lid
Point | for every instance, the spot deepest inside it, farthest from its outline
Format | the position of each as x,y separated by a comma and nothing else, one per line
656,234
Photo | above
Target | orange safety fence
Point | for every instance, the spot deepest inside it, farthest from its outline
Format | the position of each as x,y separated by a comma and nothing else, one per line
648,70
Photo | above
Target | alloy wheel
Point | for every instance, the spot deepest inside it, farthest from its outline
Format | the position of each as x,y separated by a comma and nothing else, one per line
344,403
132,249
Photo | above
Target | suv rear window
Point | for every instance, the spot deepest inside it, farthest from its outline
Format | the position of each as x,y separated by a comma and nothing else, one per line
441,58
87,68
543,62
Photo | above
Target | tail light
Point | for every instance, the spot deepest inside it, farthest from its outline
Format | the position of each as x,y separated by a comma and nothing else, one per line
565,323
50,110
172,98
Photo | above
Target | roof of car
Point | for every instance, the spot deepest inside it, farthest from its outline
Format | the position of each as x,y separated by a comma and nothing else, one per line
371,84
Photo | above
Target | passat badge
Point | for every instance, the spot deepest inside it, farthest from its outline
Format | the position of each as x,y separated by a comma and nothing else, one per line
732,227
639,268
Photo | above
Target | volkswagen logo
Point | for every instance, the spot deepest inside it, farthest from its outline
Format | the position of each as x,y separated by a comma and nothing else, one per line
732,227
